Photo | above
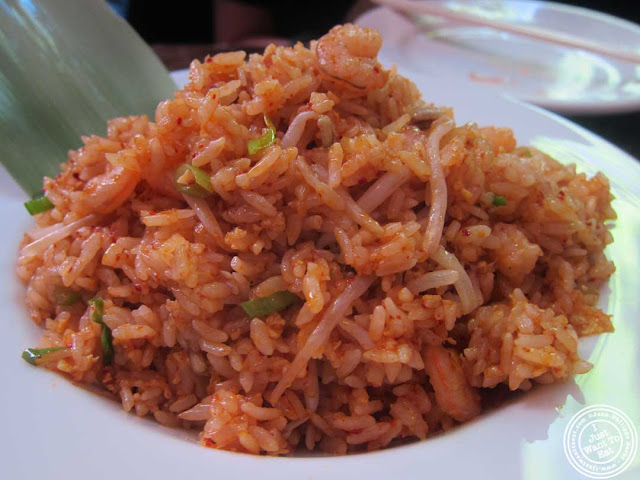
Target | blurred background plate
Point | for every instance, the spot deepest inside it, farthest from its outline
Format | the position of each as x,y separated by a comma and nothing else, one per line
565,80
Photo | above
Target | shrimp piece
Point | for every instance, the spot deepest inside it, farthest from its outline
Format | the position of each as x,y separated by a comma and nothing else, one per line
347,55
453,393
104,193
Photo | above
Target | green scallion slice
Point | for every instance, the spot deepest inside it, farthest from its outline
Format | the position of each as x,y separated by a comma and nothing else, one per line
38,205
261,307
98,309
106,339
33,355
202,182
65,297
499,201
263,141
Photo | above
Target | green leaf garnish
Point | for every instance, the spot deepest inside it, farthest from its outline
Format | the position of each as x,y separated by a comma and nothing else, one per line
67,68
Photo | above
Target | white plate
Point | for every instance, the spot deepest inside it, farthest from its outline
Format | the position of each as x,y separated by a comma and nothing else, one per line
565,80
52,429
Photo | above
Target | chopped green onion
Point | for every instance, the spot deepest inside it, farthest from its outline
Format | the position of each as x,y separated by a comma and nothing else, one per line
98,309
106,339
202,186
266,139
261,307
65,297
499,201
38,205
526,153
32,355
39,122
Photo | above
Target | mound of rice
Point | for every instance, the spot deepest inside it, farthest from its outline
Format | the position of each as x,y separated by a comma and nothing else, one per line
432,262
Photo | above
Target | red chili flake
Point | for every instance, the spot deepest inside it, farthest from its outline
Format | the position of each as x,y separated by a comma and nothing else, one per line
214,96
376,69
76,175
69,345
209,60
179,120
152,212
465,232
362,181
138,287
193,155
561,195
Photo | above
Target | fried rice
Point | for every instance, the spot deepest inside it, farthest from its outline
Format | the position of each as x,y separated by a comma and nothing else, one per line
431,263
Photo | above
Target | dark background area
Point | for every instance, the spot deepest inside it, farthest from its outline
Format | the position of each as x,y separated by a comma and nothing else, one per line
180,31
195,21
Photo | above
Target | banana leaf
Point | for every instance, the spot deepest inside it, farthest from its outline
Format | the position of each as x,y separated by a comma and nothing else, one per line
66,67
